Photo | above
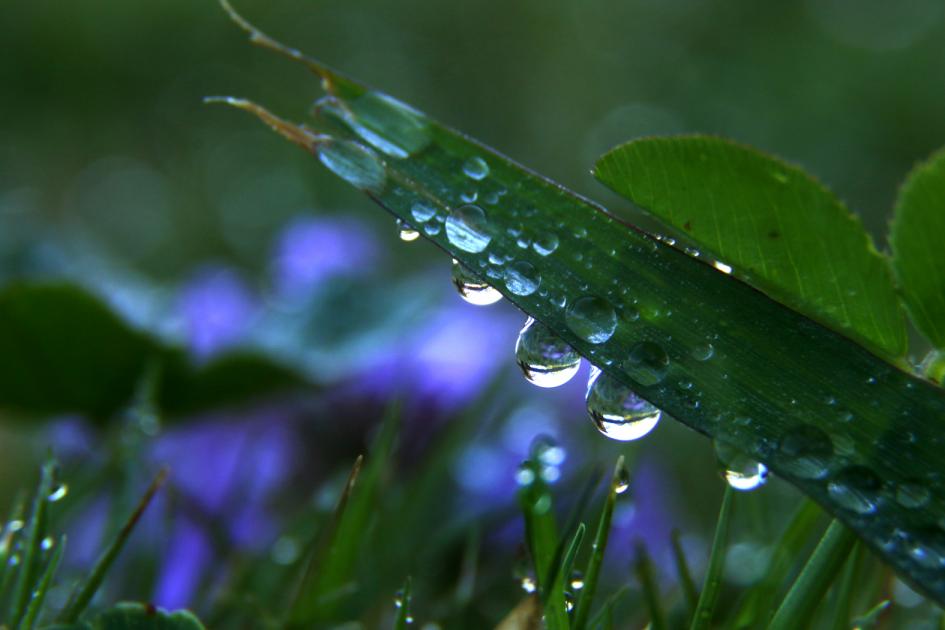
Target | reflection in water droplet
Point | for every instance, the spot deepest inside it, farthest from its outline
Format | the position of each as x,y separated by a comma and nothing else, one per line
703,352
432,229
856,488
912,495
468,229
422,211
476,168
741,472
592,319
522,278
354,163
47,543
568,601
58,493
525,475
928,548
471,288
388,125
622,480
806,452
647,363
528,584
469,196
721,266
545,244
616,410
577,580
545,359
407,233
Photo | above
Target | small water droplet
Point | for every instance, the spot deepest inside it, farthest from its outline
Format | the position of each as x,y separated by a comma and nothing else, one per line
521,278
528,584
476,168
407,233
47,543
616,410
856,488
471,288
647,363
580,232
545,359
622,480
928,548
525,475
545,244
15,525
468,229
399,599
740,471
354,163
592,319
806,452
58,493
568,601
422,212
391,127
432,229
703,352
913,495
469,196
721,266
577,580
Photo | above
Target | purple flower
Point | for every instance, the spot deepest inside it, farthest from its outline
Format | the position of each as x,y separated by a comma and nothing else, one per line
186,559
311,249
217,308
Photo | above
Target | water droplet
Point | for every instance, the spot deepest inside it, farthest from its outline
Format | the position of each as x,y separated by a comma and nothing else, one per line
525,475
545,359
422,211
388,125
568,601
806,452
468,229
469,196
577,580
647,363
471,288
721,266
521,278
622,480
58,493
740,471
15,525
354,163
407,233
432,229
476,168
912,495
928,548
399,599
856,488
47,543
592,319
528,584
616,410
286,550
703,352
545,244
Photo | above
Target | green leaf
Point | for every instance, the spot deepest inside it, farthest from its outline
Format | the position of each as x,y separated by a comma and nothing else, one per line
815,579
651,594
134,616
918,229
63,351
686,582
707,349
780,229
712,585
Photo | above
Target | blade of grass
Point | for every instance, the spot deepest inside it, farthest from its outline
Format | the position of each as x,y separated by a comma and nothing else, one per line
39,593
32,548
592,570
702,619
759,391
812,584
686,583
563,578
403,614
871,617
604,616
847,590
11,534
651,593
83,593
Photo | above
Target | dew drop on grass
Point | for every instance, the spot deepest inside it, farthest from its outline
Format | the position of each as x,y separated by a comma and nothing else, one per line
354,163
703,352
806,452
422,211
721,266
388,125
407,233
741,472
577,580
568,601
647,363
468,229
928,548
856,488
528,584
622,480
525,475
521,278
616,410
545,244
47,543
545,359
476,168
58,493
471,288
432,229
912,495
592,319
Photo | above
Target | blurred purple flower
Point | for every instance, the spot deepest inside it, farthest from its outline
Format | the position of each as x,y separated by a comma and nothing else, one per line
217,308
186,559
311,249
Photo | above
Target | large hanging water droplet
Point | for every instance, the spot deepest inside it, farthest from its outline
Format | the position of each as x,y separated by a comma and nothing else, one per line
476,168
740,471
468,229
471,288
806,452
388,125
592,319
354,163
545,359
856,488
521,278
616,410
407,233
647,363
